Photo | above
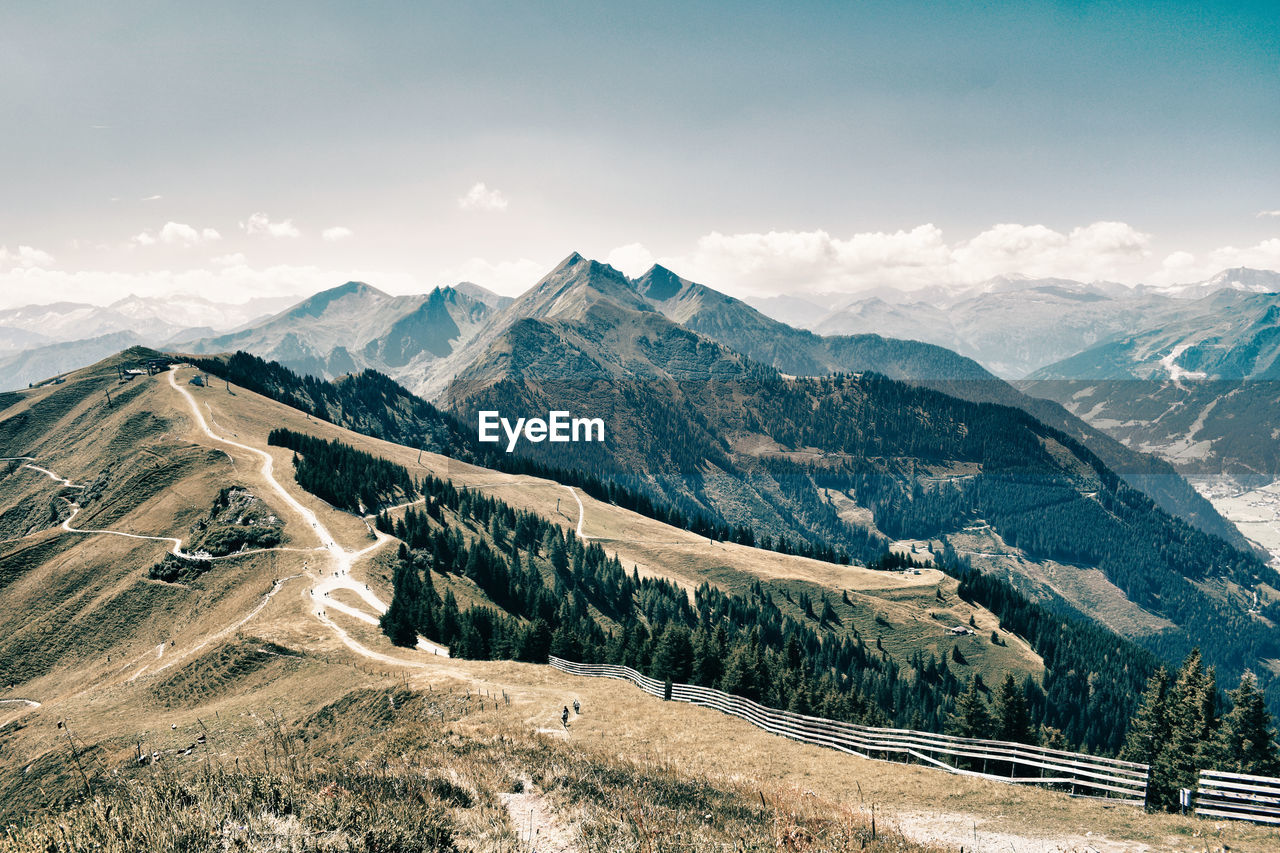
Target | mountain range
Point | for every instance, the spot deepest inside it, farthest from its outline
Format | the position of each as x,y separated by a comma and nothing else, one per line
1200,388
750,473
425,342
846,442
355,326
1016,326
40,341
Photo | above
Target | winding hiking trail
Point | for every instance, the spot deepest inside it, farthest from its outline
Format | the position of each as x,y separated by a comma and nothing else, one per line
338,575
176,550
30,460
582,512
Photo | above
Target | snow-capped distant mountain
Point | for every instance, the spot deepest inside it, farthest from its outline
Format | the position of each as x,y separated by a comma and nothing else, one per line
193,312
1015,325
37,364
1012,328
1238,278
1198,386
39,341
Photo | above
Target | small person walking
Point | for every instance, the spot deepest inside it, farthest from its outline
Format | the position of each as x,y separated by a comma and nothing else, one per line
577,709
564,717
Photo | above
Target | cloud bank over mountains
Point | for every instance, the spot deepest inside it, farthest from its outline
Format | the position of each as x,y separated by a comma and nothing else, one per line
816,261
744,263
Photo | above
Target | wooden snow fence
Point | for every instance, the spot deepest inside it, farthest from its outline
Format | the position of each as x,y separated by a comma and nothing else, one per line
1000,761
1238,796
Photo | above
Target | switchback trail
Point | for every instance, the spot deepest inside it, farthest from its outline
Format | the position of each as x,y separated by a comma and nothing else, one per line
341,559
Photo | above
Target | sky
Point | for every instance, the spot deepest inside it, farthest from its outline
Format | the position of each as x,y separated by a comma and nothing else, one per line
244,149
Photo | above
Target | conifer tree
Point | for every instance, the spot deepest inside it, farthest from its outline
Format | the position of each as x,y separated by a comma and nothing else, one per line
1193,723
1149,729
398,622
709,654
972,718
536,642
1012,718
1246,741
673,657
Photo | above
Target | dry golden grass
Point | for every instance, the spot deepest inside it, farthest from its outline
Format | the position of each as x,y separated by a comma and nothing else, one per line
390,769
613,773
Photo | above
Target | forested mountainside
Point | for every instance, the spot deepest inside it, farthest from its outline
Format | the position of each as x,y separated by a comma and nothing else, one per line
551,592
794,351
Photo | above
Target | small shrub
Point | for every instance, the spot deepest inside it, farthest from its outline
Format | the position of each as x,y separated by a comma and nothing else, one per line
175,569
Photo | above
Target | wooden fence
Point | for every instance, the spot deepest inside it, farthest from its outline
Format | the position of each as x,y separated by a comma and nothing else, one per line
1238,796
1001,761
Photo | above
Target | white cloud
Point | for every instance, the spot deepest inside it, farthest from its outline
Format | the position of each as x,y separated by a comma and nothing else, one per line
235,259
26,257
260,225
1099,250
510,278
632,259
480,197
153,198
177,234
336,233
816,261
1185,268
1265,255
1262,214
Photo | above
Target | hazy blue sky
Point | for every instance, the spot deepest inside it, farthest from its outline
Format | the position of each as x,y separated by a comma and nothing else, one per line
155,147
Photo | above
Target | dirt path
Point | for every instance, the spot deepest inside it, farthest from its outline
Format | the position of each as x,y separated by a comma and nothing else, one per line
582,512
177,549
538,828
266,599
28,705
967,831
340,579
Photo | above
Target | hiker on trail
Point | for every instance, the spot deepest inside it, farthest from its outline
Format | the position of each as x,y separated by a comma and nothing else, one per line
577,709
564,717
